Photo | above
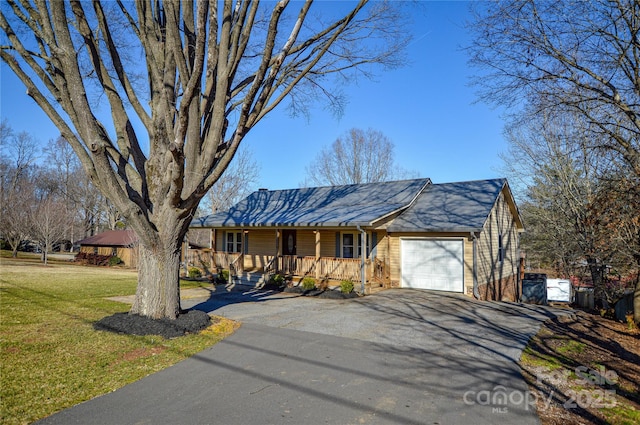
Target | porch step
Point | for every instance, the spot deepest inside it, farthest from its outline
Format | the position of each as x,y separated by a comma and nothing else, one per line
254,279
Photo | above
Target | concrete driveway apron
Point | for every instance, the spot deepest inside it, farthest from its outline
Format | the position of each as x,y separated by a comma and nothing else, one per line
400,356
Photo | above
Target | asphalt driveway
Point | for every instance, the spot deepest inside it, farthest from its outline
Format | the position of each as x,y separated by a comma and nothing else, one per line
400,356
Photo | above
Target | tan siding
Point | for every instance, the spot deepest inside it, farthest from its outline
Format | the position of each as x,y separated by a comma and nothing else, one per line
306,243
129,256
328,243
394,258
261,249
383,246
468,266
219,242
493,274
262,242
105,250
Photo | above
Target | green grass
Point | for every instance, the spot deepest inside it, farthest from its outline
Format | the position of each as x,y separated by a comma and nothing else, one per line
572,347
531,356
50,355
623,415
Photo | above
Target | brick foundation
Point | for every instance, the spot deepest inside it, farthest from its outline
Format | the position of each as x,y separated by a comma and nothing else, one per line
502,290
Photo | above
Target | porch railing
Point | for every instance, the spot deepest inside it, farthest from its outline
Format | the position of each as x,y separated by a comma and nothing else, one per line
330,268
340,268
270,267
237,266
224,260
326,267
380,271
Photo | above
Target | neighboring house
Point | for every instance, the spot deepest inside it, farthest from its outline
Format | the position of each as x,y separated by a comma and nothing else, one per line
459,237
120,243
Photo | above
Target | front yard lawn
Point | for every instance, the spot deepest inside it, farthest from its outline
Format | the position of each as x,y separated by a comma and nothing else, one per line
51,357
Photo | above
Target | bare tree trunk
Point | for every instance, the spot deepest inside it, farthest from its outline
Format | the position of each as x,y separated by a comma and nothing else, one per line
208,63
596,278
158,291
636,302
636,292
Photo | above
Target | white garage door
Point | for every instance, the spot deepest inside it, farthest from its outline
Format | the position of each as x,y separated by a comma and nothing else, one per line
433,264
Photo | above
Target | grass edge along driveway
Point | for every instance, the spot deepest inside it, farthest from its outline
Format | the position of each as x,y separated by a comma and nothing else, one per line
51,358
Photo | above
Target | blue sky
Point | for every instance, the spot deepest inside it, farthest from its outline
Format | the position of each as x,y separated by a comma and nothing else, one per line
426,108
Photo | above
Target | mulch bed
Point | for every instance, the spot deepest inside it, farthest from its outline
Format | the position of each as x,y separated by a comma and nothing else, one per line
189,321
321,293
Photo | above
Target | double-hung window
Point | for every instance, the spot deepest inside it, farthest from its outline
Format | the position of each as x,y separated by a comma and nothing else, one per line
361,244
348,245
351,245
234,241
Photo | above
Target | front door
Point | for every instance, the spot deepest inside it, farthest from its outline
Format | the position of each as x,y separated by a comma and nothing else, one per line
289,242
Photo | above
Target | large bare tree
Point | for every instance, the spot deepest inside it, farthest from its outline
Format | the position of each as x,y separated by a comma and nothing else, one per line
155,97
582,56
567,55
549,156
358,156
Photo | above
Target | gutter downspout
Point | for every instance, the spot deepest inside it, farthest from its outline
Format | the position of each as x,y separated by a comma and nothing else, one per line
476,292
363,254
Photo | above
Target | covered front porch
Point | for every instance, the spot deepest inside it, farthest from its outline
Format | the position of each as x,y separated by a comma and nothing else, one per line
326,255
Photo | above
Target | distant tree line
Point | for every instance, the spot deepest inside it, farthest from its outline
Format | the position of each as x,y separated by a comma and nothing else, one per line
46,198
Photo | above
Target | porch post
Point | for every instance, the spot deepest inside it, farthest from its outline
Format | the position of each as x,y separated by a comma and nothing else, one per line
212,246
363,256
317,254
278,251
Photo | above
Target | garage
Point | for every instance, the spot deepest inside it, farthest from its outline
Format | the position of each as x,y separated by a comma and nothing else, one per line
436,264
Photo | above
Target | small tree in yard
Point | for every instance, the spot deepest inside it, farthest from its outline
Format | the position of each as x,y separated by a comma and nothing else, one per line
18,153
156,97
49,223
14,222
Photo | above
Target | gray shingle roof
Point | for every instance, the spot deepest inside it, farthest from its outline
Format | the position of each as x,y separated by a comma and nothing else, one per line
450,207
330,206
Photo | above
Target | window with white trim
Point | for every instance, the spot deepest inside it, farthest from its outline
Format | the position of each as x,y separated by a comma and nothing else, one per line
348,245
234,241
500,249
351,245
